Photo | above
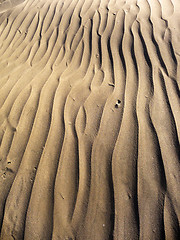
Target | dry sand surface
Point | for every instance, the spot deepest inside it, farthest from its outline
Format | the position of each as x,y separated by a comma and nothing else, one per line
89,119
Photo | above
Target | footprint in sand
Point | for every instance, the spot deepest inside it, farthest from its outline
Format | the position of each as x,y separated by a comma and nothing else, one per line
117,105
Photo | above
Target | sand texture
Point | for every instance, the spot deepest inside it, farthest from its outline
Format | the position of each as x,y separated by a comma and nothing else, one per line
89,119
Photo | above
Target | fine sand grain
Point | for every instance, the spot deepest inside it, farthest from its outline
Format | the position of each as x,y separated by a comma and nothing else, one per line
89,119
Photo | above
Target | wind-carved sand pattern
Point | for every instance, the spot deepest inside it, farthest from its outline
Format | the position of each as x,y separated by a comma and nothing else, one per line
90,119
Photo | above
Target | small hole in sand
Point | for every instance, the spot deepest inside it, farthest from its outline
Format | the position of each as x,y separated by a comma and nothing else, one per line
117,103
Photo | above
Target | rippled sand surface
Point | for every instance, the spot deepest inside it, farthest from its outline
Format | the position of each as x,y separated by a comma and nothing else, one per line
89,119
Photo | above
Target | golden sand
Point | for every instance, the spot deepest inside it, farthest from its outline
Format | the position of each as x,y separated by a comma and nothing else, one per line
89,119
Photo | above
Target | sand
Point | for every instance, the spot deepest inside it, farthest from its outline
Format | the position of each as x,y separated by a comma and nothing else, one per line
89,119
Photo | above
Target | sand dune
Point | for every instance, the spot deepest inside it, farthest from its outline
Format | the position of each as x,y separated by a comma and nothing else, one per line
89,119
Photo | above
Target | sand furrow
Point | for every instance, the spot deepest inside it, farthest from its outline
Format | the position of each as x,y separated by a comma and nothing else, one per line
125,181
150,165
16,22
14,221
89,119
45,178
167,135
171,221
15,155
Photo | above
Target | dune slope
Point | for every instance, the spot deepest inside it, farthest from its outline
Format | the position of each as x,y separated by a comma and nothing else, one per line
89,119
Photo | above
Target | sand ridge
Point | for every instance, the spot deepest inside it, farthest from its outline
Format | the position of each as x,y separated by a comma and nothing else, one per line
89,119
